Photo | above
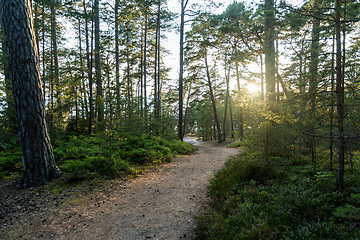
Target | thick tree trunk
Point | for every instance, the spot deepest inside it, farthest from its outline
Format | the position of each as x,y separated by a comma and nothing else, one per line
38,158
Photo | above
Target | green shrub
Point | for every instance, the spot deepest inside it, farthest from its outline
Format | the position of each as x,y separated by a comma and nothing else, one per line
255,199
91,167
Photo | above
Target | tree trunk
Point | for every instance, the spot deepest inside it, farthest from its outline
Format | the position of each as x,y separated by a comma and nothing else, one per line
82,81
313,85
157,71
181,70
339,100
269,49
216,118
226,107
241,123
231,119
117,58
56,76
262,76
89,70
145,67
37,154
332,104
128,77
99,88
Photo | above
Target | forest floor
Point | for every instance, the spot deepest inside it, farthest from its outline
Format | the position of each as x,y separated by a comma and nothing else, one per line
160,204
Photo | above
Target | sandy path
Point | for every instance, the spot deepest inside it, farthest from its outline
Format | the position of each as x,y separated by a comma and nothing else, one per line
158,205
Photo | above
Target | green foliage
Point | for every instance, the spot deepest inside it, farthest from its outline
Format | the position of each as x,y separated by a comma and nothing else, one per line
84,157
255,199
10,158
109,156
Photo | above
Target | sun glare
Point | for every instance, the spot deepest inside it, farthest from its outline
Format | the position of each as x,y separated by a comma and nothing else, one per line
252,88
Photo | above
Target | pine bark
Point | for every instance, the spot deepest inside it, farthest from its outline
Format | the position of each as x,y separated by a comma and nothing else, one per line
37,154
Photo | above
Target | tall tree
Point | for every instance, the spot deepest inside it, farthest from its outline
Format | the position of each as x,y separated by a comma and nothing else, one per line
37,154
339,98
313,84
269,49
99,87
117,57
55,57
181,70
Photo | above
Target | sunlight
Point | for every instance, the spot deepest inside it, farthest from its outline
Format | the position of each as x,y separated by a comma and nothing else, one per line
252,88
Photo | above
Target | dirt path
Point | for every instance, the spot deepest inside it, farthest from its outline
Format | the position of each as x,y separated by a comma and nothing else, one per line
158,205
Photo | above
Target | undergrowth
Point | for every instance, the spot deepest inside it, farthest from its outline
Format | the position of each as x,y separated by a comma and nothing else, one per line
107,156
279,199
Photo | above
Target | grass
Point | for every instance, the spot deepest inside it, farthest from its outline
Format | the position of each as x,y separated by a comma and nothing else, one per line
279,199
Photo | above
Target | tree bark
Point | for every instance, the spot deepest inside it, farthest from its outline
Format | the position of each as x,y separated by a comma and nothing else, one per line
37,154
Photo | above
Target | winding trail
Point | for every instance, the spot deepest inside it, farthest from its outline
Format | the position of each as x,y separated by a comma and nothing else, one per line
158,205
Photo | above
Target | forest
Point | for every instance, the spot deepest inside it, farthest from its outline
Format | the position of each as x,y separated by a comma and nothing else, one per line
89,88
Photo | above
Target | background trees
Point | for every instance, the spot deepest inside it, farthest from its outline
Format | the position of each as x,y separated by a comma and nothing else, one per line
113,73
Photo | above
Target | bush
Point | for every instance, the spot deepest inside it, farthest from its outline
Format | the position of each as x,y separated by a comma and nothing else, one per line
83,157
92,167
254,199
